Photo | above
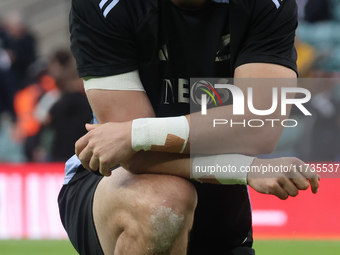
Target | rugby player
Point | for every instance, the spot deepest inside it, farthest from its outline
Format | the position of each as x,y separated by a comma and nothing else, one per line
128,51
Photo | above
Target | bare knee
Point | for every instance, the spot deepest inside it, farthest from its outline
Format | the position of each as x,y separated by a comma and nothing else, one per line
174,192
172,215
155,211
156,190
167,206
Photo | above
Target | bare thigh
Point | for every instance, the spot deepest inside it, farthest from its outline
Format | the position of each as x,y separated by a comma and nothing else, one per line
143,214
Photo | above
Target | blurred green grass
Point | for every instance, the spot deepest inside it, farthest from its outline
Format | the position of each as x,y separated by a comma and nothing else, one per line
262,247
36,247
290,247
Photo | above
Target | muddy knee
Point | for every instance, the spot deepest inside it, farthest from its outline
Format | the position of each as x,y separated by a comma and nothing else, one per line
151,214
172,218
167,226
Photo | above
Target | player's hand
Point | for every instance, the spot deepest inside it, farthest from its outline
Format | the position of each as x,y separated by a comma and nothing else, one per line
283,184
105,146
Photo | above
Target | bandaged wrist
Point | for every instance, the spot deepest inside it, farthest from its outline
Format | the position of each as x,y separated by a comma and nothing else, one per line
226,169
160,134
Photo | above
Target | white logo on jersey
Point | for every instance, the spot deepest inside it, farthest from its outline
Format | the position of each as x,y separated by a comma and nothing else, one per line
225,41
108,7
163,53
277,3
182,91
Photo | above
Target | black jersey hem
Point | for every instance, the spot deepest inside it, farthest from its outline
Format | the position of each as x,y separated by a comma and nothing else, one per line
98,71
268,60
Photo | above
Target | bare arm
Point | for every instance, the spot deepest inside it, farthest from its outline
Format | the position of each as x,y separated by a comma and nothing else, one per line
112,107
244,140
166,163
248,143
281,185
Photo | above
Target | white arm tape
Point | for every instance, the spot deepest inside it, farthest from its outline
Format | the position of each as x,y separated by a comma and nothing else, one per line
125,81
227,169
160,134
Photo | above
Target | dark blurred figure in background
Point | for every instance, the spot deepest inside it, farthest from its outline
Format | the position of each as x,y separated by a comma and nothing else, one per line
7,85
320,140
27,128
314,10
54,108
301,9
67,117
318,10
22,46
325,135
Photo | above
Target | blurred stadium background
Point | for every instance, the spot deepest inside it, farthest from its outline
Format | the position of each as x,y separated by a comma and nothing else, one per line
41,97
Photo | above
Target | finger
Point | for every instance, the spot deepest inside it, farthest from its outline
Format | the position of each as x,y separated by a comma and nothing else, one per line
301,183
85,157
289,187
313,178
314,182
299,180
94,163
278,191
90,127
81,144
104,167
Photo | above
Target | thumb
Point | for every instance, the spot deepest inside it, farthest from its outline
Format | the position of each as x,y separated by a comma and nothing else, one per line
90,127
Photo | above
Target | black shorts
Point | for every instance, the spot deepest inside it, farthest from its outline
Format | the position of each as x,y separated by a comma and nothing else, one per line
75,206
222,224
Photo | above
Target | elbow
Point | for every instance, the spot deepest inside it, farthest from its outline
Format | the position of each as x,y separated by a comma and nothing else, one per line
133,166
130,166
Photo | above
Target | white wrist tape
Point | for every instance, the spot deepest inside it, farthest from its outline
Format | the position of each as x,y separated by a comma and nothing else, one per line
226,169
160,134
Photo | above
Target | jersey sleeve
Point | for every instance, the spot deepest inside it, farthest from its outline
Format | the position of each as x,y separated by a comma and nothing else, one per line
271,35
102,37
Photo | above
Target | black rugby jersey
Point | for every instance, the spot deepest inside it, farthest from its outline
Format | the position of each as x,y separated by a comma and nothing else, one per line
169,45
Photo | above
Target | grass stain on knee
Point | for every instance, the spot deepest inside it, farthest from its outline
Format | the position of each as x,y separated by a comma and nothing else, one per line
167,226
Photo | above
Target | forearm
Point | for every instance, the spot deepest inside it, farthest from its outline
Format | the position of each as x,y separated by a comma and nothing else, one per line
114,142
194,167
221,132
178,165
159,163
249,140
237,136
